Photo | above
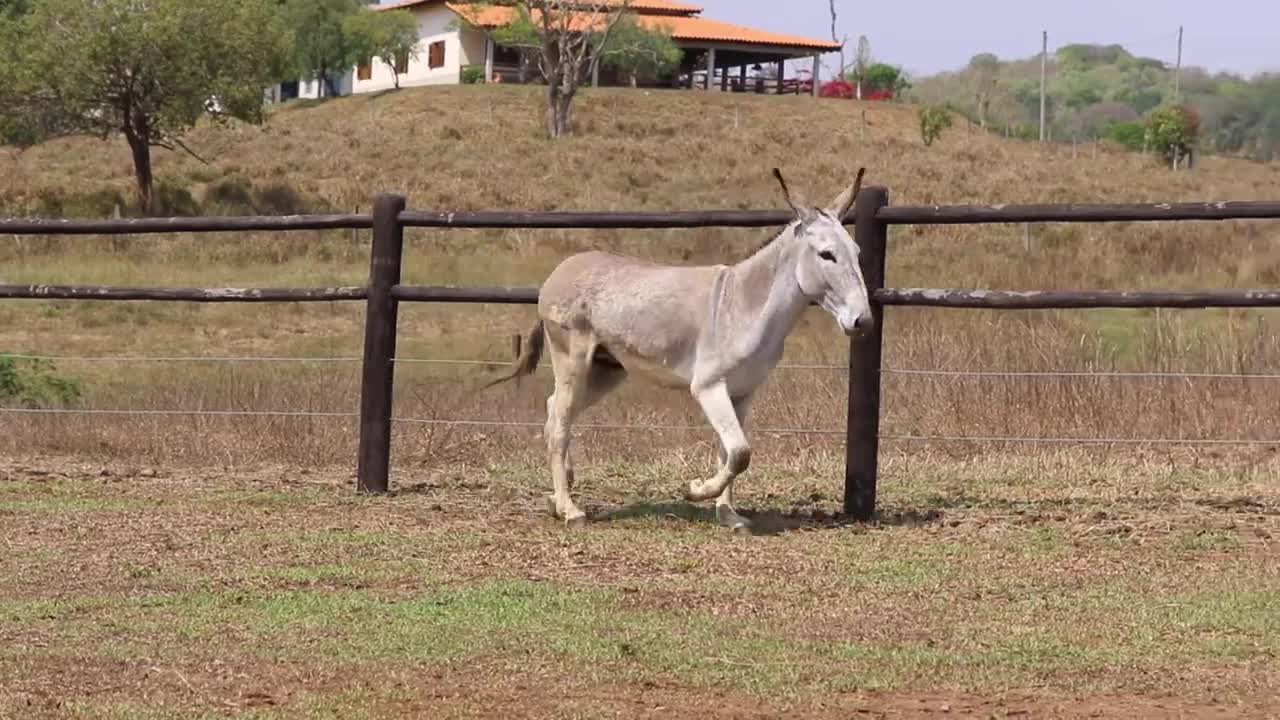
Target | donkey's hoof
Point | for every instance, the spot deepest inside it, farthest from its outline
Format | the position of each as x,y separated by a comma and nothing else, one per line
695,493
577,522
551,506
726,516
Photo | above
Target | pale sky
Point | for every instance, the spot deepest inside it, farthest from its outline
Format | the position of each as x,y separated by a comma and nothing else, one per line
928,37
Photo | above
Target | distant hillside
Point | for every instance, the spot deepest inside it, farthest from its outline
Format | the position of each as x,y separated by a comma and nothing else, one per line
1093,87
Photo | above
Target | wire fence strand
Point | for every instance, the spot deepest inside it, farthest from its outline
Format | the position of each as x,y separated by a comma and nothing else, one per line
785,366
993,439
216,413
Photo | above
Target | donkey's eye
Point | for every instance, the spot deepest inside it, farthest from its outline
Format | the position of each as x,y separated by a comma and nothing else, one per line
827,255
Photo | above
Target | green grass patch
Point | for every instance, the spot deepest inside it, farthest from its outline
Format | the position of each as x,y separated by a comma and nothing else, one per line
74,504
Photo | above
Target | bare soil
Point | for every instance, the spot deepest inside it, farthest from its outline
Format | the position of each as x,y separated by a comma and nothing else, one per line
274,591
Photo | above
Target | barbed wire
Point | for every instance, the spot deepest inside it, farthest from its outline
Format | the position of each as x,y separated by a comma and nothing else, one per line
784,366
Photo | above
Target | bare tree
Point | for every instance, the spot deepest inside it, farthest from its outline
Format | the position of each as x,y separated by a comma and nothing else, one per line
986,70
861,62
843,41
568,38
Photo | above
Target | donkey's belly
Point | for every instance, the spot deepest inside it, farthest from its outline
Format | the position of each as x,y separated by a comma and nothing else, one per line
644,368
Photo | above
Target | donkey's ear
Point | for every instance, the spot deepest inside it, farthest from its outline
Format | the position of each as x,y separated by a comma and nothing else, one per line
796,204
842,204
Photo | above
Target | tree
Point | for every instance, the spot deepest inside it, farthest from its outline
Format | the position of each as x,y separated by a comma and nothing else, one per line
322,47
861,62
843,41
986,70
1172,131
568,38
883,77
391,36
639,52
147,70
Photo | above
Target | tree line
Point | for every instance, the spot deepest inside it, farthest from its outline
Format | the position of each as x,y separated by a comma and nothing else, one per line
149,70
1104,91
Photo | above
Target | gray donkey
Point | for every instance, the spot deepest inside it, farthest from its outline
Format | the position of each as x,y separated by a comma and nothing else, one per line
714,330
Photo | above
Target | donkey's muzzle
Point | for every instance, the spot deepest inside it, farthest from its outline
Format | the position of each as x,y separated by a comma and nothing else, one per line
860,326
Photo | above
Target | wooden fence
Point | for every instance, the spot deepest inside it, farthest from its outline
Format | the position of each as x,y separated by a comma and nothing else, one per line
872,216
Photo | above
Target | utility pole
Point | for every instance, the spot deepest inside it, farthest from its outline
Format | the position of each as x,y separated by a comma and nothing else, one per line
1177,72
1044,72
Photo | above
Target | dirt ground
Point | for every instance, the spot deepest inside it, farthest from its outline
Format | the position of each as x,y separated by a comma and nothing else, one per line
277,592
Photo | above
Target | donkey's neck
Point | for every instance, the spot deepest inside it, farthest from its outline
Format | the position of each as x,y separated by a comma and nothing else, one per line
767,300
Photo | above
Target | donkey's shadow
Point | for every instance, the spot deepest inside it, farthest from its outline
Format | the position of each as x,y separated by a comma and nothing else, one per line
770,521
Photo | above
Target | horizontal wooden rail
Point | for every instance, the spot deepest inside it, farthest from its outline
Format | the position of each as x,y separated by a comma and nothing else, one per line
924,297
140,226
1068,299
598,220
439,293
900,215
975,214
204,295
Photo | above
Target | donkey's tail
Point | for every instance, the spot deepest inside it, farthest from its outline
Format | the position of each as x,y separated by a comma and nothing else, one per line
530,355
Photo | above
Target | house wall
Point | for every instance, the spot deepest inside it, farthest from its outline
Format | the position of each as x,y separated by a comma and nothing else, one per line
433,26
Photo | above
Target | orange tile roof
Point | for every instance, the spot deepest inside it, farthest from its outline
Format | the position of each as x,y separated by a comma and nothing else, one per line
700,28
681,28
657,6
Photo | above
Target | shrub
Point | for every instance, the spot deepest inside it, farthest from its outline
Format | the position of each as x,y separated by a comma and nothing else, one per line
933,120
1129,134
173,200
838,89
473,74
230,196
99,204
35,384
279,199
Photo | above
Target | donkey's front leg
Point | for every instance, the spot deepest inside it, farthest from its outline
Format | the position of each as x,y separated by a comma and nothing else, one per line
723,416
725,514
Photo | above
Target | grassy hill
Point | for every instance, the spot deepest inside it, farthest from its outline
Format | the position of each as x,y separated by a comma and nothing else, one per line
468,148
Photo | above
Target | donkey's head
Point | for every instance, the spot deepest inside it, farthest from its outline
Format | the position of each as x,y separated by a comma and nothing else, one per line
827,267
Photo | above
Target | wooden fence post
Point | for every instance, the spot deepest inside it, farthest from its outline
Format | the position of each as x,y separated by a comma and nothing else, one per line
862,443
380,345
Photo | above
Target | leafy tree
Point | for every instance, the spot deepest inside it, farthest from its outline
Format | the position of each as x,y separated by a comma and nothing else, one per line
882,76
1172,131
148,71
640,52
322,47
568,39
388,35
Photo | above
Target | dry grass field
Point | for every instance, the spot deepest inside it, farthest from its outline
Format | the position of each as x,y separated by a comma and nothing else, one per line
205,565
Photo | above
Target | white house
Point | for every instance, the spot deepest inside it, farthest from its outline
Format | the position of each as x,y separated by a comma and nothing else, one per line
715,52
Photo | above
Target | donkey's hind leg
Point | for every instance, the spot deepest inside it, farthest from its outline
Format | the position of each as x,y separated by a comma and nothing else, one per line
571,362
